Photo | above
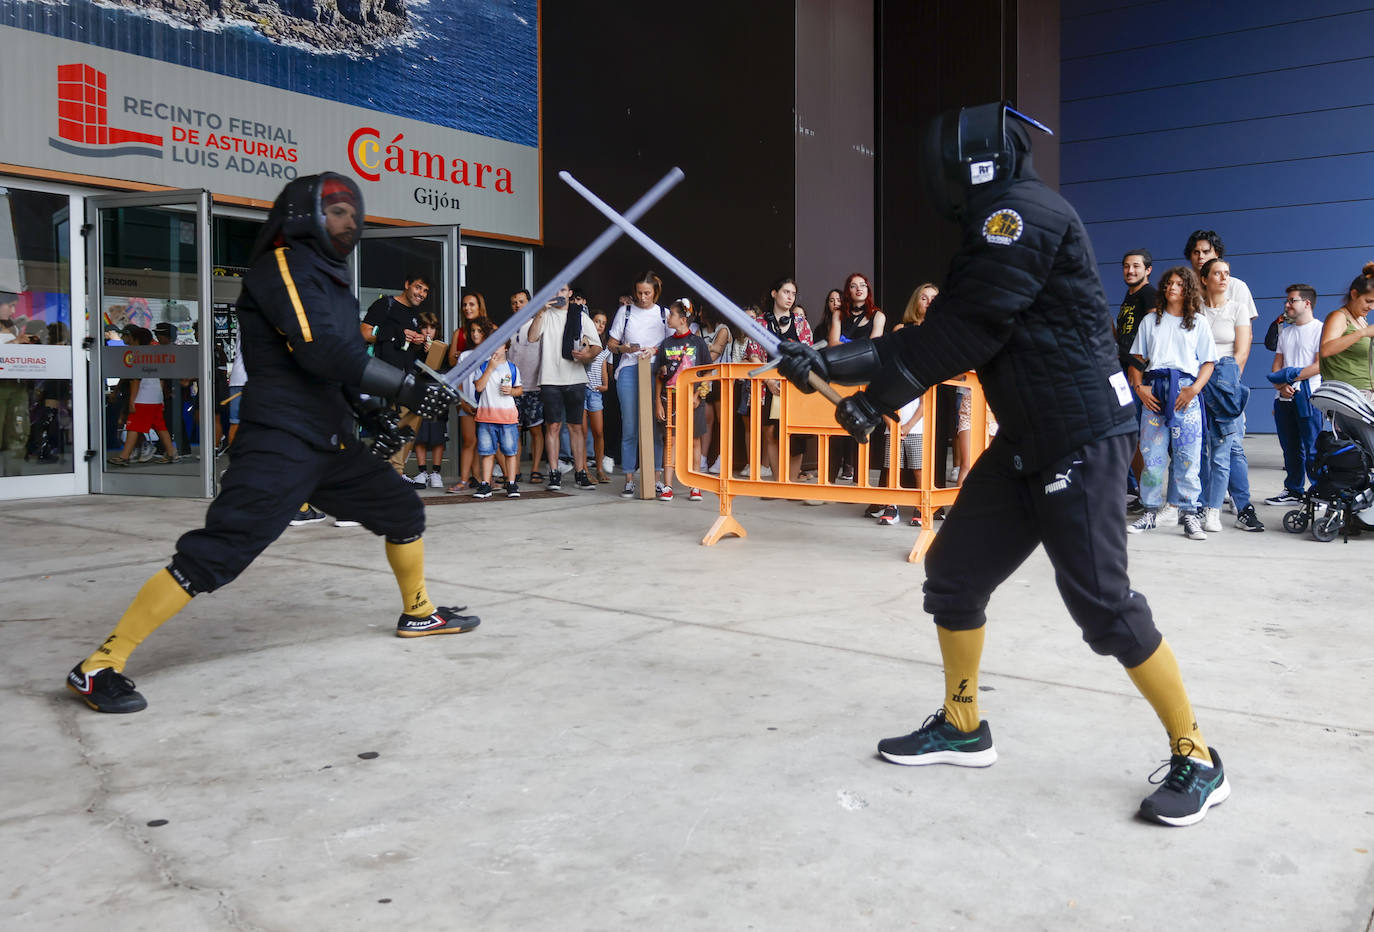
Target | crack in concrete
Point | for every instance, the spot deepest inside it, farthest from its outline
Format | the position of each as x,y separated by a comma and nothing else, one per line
100,806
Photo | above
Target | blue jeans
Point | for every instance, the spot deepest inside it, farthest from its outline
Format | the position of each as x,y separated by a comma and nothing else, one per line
1298,440
1155,437
627,390
1227,467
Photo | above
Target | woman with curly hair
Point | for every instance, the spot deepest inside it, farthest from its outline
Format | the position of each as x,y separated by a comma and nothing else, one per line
1176,352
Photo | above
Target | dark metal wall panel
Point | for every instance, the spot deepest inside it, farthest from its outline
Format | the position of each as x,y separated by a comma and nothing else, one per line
630,94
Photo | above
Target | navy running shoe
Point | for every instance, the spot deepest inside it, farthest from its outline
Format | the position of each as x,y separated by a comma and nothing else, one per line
1187,791
939,742
106,690
443,621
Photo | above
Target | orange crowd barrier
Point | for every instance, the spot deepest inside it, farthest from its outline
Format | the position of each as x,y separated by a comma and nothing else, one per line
801,416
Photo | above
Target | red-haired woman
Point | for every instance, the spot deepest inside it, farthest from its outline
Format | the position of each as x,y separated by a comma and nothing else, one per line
857,317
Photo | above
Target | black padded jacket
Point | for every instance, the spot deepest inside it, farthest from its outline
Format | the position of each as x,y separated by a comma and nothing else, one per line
1023,306
301,343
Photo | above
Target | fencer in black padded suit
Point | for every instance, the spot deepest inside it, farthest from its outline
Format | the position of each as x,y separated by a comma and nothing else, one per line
1022,305
296,443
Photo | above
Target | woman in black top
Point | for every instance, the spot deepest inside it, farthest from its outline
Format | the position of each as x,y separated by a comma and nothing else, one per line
858,317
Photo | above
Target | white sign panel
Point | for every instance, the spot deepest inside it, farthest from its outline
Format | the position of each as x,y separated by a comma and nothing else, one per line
27,361
94,111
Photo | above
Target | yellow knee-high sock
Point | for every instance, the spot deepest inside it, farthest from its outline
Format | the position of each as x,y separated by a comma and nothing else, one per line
408,563
1161,683
961,652
160,598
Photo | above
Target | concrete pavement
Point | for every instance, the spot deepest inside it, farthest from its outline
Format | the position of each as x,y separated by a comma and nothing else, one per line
649,734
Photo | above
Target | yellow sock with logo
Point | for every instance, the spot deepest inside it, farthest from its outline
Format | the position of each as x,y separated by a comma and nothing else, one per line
1161,683
408,563
961,651
160,598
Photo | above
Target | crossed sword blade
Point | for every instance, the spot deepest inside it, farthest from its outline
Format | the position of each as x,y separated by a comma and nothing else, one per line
455,377
625,223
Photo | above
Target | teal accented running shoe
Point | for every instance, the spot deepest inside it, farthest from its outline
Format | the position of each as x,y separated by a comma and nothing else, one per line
939,742
1187,791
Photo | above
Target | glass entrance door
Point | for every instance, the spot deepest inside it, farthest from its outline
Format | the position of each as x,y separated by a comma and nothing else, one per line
152,397
388,256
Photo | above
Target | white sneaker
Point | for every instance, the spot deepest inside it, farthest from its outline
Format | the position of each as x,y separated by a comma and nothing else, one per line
340,522
714,468
1167,517
1211,519
436,481
146,452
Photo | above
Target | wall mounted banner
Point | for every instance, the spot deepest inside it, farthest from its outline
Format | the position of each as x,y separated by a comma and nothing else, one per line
94,111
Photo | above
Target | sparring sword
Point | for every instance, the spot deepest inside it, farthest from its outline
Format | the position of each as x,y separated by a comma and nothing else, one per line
455,376
736,315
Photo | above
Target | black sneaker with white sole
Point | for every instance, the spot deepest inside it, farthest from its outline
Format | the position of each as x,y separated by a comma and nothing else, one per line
1247,520
483,490
512,490
555,483
309,516
939,742
1188,790
583,481
443,621
1286,497
106,690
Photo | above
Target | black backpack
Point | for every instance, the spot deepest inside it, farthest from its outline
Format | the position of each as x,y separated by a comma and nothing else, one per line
1342,465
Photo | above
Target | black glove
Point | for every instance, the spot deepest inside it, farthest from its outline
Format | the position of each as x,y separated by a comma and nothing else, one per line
426,396
859,416
797,361
382,421
388,437
421,392
852,363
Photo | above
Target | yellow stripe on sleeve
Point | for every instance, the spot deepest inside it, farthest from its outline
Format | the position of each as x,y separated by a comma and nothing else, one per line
295,295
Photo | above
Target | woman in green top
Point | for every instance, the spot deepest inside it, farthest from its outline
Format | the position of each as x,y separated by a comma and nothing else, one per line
1345,348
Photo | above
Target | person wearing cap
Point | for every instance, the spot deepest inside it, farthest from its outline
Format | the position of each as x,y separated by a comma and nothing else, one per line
1023,306
298,323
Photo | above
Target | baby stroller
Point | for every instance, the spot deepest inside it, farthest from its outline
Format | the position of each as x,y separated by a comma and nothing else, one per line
1340,501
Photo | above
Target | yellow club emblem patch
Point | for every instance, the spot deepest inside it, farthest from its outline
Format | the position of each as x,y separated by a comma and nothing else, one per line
1003,228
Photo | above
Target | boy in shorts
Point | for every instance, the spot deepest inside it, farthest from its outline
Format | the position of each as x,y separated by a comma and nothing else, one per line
498,385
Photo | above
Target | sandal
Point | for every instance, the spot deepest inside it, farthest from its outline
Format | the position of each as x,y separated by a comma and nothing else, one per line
536,476
602,478
117,461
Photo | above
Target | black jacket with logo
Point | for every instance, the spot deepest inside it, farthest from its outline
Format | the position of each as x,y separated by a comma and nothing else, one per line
1023,306
301,343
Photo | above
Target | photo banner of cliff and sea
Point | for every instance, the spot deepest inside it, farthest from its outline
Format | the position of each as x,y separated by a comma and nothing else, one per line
469,65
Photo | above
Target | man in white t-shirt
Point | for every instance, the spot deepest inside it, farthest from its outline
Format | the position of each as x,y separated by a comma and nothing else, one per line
563,380
1296,375
1206,244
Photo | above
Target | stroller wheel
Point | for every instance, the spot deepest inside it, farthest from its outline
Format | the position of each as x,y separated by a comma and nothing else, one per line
1296,521
1329,525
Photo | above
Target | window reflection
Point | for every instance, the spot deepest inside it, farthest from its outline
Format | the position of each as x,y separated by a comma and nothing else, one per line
35,334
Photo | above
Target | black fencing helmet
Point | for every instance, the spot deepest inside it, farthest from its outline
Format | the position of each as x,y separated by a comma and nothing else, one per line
970,148
298,216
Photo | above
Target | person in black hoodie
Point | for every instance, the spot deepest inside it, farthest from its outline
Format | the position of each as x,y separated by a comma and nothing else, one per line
299,326
1024,307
